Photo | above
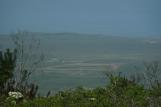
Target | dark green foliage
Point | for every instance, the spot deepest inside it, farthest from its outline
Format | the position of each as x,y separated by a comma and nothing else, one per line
121,92
128,95
8,62
7,65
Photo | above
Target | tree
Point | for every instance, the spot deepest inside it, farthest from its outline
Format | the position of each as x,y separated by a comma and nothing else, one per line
29,59
16,67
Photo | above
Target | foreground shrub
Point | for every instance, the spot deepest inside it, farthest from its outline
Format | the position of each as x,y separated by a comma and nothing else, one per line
121,92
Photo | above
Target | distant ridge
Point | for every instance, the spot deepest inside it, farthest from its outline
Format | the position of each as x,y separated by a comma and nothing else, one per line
80,34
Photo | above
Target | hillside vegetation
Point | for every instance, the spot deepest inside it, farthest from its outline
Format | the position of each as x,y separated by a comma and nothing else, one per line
119,92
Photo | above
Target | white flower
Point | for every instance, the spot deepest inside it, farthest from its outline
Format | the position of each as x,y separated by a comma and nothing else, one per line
15,95
92,99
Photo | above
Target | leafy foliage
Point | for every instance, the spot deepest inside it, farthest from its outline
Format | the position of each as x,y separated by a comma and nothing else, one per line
119,93
7,65
8,82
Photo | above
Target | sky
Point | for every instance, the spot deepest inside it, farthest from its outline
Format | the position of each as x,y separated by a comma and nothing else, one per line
111,17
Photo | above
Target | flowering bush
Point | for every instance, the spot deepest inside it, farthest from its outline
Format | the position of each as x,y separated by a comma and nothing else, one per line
16,95
14,98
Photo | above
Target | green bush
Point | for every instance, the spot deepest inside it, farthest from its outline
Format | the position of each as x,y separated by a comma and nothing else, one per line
129,94
7,65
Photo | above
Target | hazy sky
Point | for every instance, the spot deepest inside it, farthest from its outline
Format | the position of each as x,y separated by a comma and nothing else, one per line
113,17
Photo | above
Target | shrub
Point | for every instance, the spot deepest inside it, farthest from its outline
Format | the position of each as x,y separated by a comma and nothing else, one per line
7,65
